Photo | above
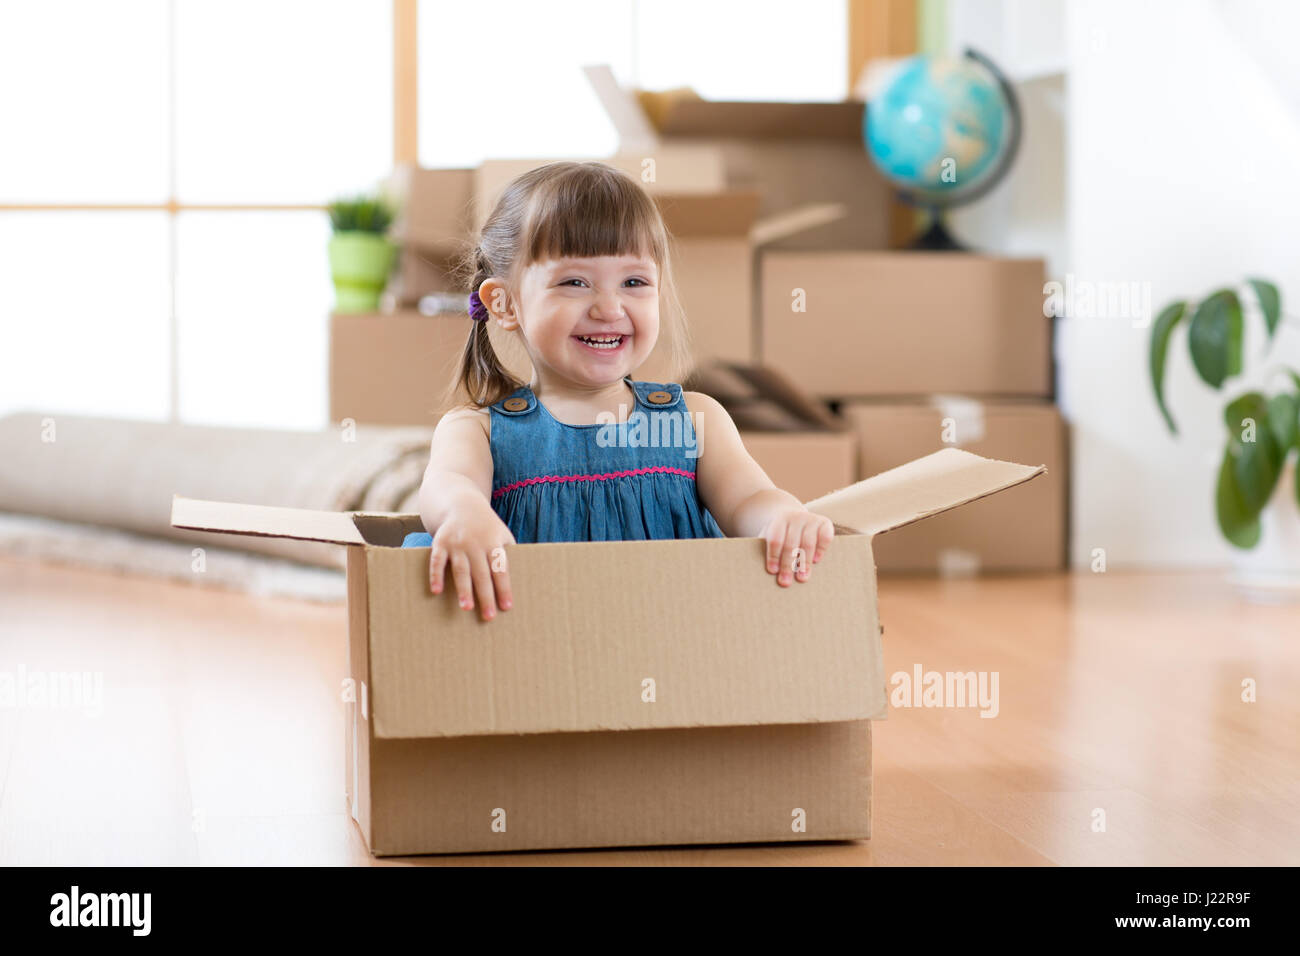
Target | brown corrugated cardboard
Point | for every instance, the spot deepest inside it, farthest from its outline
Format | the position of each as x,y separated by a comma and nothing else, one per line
420,273
806,464
694,170
435,206
713,263
794,154
743,389
1025,532
796,440
435,212
906,323
700,704
393,369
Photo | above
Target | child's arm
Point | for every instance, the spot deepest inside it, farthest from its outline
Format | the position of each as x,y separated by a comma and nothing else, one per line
743,499
455,506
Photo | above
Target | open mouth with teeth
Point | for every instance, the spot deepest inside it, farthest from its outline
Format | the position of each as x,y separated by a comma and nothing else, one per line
603,343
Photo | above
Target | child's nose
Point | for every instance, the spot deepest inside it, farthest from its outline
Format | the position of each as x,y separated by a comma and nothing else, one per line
608,305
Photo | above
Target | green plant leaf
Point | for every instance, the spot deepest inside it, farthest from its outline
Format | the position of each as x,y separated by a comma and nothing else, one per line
1215,337
1246,405
1238,524
1284,417
1256,464
1164,326
361,214
1270,303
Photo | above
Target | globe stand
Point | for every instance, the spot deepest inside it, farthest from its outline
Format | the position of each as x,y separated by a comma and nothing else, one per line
937,238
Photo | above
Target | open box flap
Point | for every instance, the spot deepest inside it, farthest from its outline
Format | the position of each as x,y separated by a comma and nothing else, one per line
683,113
331,527
938,482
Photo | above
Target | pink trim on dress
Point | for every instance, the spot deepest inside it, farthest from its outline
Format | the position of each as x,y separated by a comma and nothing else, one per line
666,469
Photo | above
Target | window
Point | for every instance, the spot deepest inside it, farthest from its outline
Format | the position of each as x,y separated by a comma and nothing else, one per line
161,190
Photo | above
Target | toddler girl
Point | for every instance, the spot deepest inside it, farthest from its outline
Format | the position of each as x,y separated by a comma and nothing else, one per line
573,261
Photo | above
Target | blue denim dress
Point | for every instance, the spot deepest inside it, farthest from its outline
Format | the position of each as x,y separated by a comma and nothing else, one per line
629,481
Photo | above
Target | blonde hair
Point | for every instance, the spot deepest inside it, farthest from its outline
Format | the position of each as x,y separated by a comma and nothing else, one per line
555,211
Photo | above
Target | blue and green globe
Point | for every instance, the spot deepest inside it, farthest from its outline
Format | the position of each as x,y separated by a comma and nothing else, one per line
941,128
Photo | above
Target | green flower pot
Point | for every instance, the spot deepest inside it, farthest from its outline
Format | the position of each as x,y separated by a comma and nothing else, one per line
359,264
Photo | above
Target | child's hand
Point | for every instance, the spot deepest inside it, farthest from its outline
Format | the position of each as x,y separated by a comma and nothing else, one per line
794,529
473,539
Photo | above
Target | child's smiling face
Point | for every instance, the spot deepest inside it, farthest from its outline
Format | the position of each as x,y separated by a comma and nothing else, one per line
564,303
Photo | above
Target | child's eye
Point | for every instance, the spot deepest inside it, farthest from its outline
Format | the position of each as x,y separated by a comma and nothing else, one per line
642,281
567,281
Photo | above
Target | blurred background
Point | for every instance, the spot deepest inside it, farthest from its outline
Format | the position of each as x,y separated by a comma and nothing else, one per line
167,167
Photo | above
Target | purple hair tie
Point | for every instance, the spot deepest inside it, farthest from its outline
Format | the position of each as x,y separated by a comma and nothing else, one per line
477,310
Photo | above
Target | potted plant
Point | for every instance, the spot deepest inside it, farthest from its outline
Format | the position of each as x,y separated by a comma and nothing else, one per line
361,255
1258,487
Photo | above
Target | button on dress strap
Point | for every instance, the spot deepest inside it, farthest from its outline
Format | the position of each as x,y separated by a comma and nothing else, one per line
520,402
657,395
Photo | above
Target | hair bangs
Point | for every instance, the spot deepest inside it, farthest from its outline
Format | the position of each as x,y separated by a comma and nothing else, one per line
592,211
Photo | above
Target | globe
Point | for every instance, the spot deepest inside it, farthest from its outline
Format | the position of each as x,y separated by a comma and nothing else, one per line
944,131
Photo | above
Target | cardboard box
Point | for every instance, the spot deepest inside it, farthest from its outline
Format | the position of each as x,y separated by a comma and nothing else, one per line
419,273
713,263
1024,532
694,170
705,704
435,213
906,323
435,206
806,464
792,154
804,448
394,368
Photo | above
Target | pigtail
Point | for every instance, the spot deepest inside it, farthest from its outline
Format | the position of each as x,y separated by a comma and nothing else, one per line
482,378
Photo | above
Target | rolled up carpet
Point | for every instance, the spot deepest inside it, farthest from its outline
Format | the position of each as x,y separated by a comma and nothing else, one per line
122,474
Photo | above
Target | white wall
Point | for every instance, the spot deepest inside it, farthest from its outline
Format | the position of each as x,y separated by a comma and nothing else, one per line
1025,214
1182,144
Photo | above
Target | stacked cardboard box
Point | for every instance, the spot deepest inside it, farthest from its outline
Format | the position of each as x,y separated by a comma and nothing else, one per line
394,368
795,155
434,221
1025,531
802,446
923,350
858,324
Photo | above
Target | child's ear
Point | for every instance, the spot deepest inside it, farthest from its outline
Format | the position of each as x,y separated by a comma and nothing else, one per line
496,297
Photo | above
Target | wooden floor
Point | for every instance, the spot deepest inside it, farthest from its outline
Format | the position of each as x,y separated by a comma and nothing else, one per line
221,734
